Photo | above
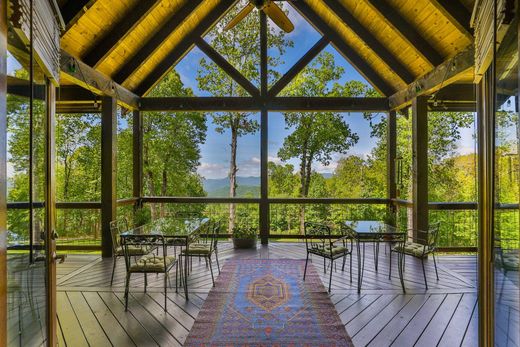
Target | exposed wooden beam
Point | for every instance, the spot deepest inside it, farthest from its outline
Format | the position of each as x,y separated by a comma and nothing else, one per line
239,104
73,10
407,31
298,66
442,75
347,51
85,76
179,51
457,13
465,92
105,45
226,67
155,41
373,43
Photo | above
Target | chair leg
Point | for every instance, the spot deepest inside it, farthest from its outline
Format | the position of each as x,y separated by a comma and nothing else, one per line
113,270
211,270
176,276
344,259
324,265
350,260
424,274
165,292
390,269
127,285
145,281
216,258
330,278
435,265
305,270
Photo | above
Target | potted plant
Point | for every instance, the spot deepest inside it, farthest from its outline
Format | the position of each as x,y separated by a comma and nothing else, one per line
244,237
142,216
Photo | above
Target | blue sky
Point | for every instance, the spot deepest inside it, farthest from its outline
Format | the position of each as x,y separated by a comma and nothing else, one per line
216,151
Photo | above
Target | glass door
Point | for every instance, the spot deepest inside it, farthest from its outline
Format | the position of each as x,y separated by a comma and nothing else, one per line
506,191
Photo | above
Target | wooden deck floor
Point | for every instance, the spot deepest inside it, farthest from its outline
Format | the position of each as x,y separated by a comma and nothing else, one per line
92,313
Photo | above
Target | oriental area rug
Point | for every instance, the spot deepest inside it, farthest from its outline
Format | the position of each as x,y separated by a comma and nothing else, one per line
262,302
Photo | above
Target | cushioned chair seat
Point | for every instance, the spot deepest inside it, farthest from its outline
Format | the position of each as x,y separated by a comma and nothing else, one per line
412,248
133,250
151,262
198,248
326,250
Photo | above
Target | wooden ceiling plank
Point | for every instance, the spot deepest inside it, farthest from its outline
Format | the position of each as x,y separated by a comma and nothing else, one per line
180,50
226,67
407,31
298,66
155,41
442,75
105,45
457,13
73,10
85,76
348,52
366,36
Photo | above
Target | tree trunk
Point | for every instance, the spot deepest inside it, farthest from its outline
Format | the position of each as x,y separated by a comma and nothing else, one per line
151,187
233,176
303,179
164,189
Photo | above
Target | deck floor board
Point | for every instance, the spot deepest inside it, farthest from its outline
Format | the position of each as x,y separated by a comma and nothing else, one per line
92,312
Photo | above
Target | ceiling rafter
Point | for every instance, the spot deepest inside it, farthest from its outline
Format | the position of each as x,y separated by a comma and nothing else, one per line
404,29
73,10
372,42
347,51
119,31
127,69
298,66
229,69
180,50
457,13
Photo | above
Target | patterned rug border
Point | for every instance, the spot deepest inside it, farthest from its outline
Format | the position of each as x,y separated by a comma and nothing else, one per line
219,308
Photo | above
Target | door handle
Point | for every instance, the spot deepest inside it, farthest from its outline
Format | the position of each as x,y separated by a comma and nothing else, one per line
60,257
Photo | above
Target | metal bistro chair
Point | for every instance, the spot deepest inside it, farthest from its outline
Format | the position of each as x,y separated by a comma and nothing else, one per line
149,263
205,246
420,249
318,241
117,248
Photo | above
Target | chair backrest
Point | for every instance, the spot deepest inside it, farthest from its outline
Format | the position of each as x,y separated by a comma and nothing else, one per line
114,232
123,225
317,236
433,235
144,242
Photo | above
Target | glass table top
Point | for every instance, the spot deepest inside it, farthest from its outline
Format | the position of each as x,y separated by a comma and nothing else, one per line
369,227
169,227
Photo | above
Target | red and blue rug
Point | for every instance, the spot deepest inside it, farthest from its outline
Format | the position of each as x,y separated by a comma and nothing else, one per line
262,302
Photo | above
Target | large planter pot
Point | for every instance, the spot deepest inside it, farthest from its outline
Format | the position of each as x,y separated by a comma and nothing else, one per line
244,243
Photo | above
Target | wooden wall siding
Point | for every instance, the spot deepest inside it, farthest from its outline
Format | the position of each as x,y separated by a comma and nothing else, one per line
93,25
363,50
171,42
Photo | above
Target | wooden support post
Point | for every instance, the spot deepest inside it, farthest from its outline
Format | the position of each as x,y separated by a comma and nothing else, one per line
108,171
264,191
391,150
3,173
50,212
137,153
486,160
420,165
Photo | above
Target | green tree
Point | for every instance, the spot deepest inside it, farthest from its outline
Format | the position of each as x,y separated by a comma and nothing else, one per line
316,135
241,48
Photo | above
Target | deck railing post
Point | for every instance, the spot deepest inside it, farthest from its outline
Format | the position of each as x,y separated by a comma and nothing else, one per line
108,171
420,166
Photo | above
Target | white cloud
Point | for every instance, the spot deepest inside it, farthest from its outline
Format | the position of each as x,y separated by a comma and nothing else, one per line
212,170
275,160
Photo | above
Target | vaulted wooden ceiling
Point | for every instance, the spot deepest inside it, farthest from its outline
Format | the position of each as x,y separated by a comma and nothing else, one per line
391,43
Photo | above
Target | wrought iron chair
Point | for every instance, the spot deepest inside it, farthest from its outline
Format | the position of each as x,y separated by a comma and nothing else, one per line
206,246
117,248
420,249
319,241
149,263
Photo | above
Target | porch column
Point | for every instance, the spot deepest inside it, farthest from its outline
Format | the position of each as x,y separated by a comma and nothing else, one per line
264,190
3,173
137,153
486,160
108,171
391,154
420,166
